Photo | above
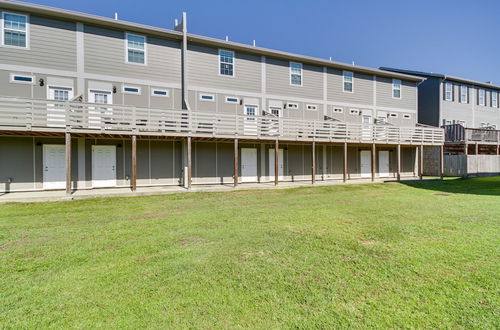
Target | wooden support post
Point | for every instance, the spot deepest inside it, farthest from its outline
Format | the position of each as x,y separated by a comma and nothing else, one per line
398,169
189,169
466,149
313,161
68,163
235,163
374,155
441,161
345,162
276,160
134,163
421,162
477,148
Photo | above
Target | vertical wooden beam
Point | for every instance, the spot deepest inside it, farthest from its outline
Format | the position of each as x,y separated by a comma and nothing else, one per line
477,148
313,161
276,160
344,167
421,162
189,163
235,163
374,155
398,155
441,161
68,163
134,163
466,149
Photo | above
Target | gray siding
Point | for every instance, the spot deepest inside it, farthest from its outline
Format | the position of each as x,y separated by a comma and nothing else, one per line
52,45
408,98
362,88
105,54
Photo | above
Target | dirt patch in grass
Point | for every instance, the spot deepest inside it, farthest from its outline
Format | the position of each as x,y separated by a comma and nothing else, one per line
150,216
191,242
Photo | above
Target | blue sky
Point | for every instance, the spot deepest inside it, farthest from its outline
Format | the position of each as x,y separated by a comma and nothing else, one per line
455,37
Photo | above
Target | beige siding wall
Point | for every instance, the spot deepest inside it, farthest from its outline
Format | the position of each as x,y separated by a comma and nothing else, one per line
52,45
105,54
203,70
362,88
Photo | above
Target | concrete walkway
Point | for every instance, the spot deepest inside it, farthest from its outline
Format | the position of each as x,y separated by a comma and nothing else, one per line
60,195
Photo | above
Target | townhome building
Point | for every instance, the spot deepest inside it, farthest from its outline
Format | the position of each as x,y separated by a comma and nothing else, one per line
89,102
469,112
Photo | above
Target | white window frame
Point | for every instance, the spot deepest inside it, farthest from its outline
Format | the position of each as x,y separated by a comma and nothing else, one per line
292,105
466,94
338,110
393,115
344,74
354,112
153,90
446,85
481,97
234,62
139,92
313,106
294,73
395,89
145,48
494,101
2,30
406,116
237,99
12,75
207,100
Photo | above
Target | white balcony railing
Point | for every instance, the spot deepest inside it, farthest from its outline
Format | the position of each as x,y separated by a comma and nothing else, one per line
43,115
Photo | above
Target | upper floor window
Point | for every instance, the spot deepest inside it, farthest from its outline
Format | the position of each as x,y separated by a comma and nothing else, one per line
136,49
448,92
481,97
15,30
226,62
464,94
296,74
396,88
348,81
494,99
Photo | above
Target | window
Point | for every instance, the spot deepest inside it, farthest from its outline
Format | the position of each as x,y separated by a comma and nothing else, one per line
131,90
312,107
21,79
232,99
393,115
462,122
136,49
448,92
15,30
354,112
292,106
494,99
296,74
484,125
464,94
447,122
226,62
207,97
275,111
396,88
160,92
407,116
348,82
481,97
338,110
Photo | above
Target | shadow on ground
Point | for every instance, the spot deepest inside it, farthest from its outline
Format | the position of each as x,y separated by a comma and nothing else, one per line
475,186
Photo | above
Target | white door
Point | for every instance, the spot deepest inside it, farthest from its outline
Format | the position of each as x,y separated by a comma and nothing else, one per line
383,163
56,111
248,165
250,126
273,122
103,166
366,163
99,116
54,166
367,127
280,164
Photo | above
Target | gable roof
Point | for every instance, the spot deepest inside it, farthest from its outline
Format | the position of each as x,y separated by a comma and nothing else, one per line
162,32
442,76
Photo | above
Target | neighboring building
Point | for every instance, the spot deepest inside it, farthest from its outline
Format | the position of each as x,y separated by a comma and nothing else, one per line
173,108
469,112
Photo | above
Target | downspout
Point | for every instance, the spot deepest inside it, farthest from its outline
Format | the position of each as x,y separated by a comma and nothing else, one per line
184,90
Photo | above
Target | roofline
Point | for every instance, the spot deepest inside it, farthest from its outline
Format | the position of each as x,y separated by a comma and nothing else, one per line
136,27
442,76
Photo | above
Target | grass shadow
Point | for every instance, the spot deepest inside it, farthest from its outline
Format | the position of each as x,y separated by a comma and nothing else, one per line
474,186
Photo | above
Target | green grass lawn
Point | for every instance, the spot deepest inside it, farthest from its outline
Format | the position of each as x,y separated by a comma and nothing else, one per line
422,254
